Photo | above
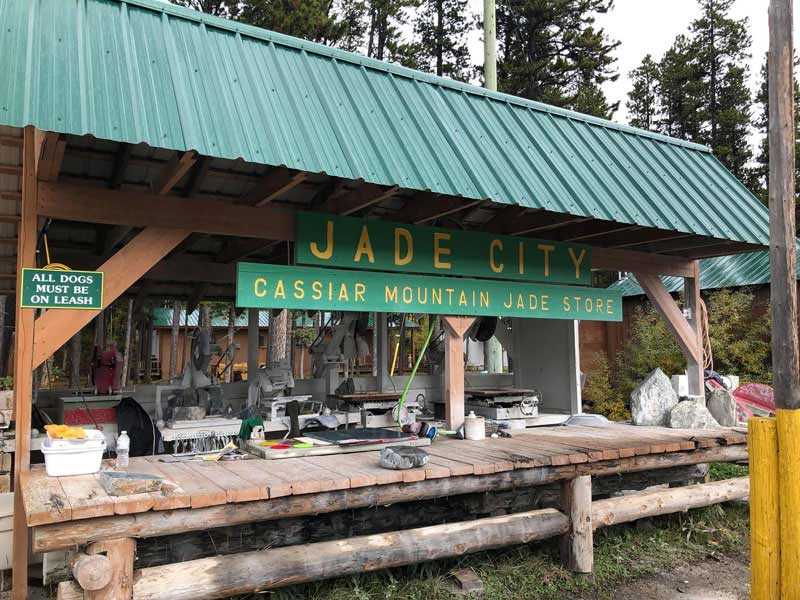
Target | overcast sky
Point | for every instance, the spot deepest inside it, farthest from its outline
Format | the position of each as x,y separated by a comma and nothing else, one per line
650,26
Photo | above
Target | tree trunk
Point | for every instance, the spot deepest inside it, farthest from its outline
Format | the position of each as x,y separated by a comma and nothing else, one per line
278,330
173,348
231,348
2,333
126,357
100,330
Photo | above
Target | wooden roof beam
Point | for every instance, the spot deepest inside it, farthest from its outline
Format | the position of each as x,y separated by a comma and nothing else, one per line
197,176
121,160
610,259
642,237
505,219
278,182
586,231
236,250
11,141
175,169
75,202
347,202
429,206
51,155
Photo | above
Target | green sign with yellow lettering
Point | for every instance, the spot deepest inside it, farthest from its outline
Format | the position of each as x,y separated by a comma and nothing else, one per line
331,241
280,286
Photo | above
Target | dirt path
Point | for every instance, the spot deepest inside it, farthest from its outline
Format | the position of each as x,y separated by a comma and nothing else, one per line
725,579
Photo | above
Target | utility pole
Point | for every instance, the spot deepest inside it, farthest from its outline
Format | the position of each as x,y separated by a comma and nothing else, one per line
492,349
783,288
489,45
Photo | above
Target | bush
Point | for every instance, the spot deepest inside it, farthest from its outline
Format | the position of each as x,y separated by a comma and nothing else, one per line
600,397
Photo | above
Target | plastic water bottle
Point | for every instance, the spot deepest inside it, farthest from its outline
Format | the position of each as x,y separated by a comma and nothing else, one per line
123,449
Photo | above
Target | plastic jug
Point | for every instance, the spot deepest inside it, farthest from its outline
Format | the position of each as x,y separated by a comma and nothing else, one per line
123,449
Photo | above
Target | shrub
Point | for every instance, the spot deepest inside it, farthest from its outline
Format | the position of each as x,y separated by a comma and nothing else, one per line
600,397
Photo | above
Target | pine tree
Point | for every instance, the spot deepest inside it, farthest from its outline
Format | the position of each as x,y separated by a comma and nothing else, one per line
219,8
550,51
441,29
384,32
680,92
642,103
312,20
760,172
720,44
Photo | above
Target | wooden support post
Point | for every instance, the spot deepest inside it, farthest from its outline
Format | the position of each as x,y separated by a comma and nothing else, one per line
122,270
23,361
676,323
120,553
455,327
253,354
380,340
577,544
765,536
695,367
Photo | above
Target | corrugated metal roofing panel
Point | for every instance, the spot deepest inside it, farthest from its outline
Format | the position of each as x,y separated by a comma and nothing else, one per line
138,71
162,317
720,272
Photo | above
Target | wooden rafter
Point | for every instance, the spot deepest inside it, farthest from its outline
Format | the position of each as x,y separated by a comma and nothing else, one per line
642,237
15,170
505,219
73,202
10,195
55,327
175,169
682,244
121,160
429,206
11,141
348,202
51,155
274,184
197,176
591,230
236,250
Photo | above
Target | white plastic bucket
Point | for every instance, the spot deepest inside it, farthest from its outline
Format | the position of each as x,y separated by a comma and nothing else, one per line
74,457
474,427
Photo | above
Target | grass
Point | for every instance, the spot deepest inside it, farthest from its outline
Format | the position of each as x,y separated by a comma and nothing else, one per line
719,471
622,553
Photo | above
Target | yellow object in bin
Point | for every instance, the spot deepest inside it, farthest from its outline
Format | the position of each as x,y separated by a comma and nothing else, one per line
65,432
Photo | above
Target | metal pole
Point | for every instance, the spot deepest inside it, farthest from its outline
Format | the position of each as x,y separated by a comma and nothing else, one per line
489,45
783,287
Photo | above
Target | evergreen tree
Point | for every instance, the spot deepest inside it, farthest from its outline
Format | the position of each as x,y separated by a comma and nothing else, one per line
760,172
642,103
550,51
441,29
219,8
384,34
720,44
680,92
312,20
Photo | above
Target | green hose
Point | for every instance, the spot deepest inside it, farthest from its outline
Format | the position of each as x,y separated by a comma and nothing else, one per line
413,373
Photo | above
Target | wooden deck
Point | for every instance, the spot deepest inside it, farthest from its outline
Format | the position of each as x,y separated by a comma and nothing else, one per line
204,484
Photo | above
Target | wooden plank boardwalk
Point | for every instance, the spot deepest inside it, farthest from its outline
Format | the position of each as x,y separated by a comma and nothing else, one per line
197,485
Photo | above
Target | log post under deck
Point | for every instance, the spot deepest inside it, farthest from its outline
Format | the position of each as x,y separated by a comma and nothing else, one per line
577,544
455,328
120,553
253,353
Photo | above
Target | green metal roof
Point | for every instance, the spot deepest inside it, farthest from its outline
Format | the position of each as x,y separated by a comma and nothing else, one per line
146,71
721,272
162,317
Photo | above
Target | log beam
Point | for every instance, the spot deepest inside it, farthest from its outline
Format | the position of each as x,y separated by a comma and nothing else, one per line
56,327
58,536
120,554
455,328
83,203
242,573
631,261
429,206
